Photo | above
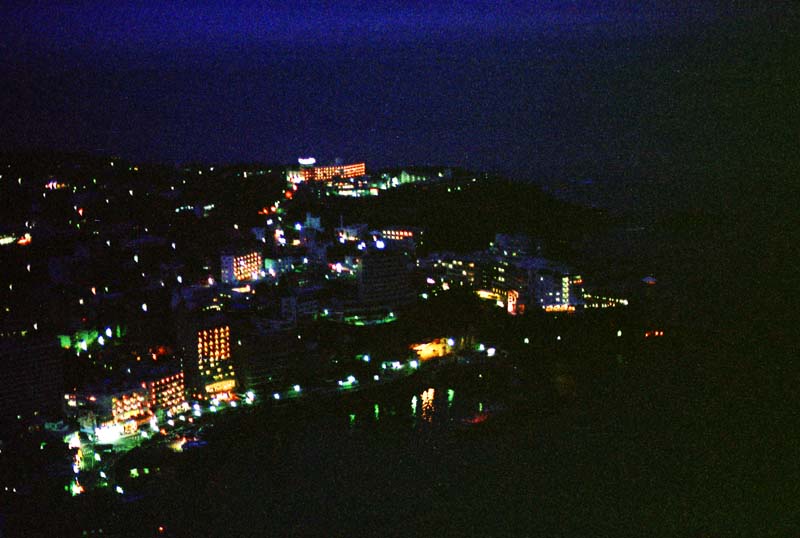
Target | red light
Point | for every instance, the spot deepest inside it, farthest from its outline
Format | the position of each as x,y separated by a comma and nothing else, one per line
289,195
160,529
80,211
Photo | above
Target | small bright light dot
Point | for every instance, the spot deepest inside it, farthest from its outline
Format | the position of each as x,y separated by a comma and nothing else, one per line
144,307
276,396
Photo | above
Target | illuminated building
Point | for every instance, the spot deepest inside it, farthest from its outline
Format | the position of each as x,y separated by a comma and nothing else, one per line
351,232
453,270
129,406
438,347
328,173
240,267
601,301
214,366
166,393
410,236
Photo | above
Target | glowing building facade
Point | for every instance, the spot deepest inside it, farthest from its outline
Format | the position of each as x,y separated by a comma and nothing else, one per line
129,406
167,393
327,173
240,267
214,364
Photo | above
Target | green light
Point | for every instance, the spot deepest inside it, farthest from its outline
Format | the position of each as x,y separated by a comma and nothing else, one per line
134,473
414,405
450,395
377,412
75,488
352,419
480,407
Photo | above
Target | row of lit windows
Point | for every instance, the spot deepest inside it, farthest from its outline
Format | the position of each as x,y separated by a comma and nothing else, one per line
244,266
396,234
323,173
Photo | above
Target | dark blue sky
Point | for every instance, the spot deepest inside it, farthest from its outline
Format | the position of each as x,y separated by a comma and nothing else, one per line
550,90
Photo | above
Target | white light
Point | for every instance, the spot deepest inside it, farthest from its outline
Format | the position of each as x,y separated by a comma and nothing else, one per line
527,340
276,396
375,377
490,352
144,307
307,161
296,388
298,226
379,244
619,333
108,332
108,434
451,342
414,364
101,340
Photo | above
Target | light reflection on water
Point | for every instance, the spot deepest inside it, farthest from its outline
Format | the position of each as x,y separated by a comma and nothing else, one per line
427,404
432,407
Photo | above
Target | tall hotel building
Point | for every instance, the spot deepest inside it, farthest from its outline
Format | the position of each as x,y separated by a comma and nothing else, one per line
213,373
240,267
327,173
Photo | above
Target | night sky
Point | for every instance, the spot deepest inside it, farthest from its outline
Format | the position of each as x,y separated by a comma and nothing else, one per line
674,95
